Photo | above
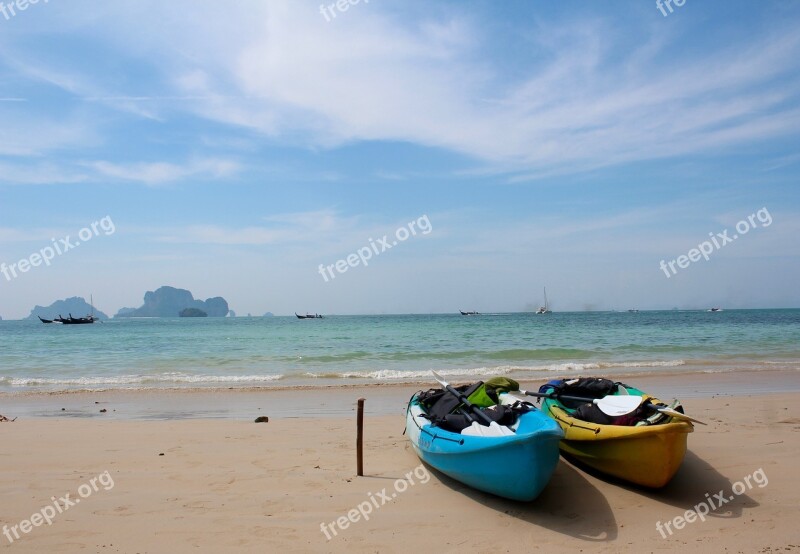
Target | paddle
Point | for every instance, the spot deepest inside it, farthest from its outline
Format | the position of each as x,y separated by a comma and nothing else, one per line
616,405
494,429
675,413
609,405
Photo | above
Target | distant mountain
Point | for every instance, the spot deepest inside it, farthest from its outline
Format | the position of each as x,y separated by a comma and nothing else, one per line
269,314
169,302
76,306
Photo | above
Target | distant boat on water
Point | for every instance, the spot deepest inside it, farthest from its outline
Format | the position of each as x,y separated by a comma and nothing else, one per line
308,316
633,311
89,319
76,320
469,313
715,310
546,308
70,320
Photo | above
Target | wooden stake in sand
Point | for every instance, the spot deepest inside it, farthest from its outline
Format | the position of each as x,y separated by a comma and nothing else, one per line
360,438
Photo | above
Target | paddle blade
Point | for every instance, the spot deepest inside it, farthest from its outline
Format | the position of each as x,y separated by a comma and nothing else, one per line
677,415
510,397
618,405
439,378
493,430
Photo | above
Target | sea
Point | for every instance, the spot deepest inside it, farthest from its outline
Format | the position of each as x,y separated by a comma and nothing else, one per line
151,353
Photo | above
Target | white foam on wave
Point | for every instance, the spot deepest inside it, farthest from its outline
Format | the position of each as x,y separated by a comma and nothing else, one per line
392,374
668,363
177,378
566,367
140,380
606,365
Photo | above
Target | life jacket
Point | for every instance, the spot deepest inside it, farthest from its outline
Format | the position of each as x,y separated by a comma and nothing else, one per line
586,387
442,408
439,403
457,422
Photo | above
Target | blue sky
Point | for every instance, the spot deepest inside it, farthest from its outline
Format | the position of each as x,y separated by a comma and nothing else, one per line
238,146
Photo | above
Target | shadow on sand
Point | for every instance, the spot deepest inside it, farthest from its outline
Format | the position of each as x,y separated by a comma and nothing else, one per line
696,482
569,504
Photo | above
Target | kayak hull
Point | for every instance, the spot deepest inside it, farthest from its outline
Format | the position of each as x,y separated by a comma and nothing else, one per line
516,467
648,455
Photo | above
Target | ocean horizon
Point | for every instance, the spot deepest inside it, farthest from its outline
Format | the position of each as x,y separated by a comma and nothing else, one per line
283,351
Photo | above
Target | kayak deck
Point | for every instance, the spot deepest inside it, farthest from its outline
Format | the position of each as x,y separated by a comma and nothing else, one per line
648,455
516,466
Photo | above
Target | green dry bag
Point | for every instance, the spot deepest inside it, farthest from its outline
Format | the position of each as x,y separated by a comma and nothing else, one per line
487,394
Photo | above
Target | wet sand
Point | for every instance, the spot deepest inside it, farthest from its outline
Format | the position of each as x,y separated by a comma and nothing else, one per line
246,403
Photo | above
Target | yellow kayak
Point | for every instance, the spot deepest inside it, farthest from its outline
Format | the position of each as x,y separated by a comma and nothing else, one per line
647,455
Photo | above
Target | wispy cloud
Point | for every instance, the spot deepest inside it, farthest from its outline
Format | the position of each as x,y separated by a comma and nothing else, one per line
33,135
576,111
159,173
783,161
39,173
301,239
311,227
587,96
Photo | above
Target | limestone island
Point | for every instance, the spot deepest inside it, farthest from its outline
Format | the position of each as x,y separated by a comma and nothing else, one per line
170,301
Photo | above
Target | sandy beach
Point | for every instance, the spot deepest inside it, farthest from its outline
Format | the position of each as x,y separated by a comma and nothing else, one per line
230,485
223,224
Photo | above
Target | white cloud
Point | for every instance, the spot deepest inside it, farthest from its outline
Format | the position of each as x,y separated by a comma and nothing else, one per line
24,134
157,173
319,227
377,78
585,97
39,173
301,238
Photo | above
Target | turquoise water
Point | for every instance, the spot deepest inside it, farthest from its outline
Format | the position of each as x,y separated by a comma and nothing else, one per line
285,351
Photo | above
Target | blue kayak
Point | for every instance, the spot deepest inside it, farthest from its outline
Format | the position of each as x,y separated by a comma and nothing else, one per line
516,466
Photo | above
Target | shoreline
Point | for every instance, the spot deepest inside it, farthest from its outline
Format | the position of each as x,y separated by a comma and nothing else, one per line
336,401
358,382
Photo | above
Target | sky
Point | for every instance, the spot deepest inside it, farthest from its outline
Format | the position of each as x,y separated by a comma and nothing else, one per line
241,149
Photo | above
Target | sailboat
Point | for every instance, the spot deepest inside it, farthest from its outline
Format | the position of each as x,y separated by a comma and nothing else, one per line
544,309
